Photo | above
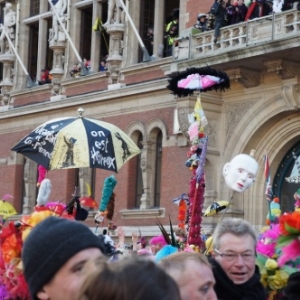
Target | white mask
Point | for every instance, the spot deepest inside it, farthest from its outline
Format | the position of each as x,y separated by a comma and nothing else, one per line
239,174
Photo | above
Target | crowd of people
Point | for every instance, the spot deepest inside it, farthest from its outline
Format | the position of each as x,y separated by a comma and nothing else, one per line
64,259
224,13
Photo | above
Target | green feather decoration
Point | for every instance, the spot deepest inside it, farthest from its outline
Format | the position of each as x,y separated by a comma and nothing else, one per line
108,188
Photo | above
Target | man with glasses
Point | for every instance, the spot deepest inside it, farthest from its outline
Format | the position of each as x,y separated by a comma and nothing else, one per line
233,260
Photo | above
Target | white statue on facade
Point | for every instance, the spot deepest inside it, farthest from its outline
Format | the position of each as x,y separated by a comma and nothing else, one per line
115,14
240,173
9,26
60,8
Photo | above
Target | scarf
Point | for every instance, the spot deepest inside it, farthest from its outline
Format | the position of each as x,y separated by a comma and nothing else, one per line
227,290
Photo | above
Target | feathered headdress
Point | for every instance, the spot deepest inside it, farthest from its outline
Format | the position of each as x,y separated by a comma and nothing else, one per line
107,201
108,188
44,192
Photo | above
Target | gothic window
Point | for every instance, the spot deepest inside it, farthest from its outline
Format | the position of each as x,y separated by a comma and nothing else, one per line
104,37
34,7
33,49
158,160
86,32
147,22
139,178
49,52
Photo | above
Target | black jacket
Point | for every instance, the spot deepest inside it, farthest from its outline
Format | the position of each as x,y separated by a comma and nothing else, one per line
227,290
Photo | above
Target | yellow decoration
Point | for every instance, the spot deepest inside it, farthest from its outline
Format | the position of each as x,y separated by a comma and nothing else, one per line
271,264
278,281
209,245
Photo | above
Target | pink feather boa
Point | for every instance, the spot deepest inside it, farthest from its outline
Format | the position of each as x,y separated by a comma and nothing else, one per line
267,242
289,252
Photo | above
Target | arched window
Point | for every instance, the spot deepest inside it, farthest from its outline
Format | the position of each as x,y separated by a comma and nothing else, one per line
286,181
139,178
157,183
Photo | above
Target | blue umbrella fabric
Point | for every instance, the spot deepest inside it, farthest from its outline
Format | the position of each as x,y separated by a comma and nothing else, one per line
78,143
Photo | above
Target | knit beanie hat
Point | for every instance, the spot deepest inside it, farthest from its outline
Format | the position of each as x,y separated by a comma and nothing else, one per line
291,291
50,245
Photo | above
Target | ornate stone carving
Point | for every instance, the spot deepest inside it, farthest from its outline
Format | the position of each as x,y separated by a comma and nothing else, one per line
246,77
115,15
183,120
211,131
56,87
234,113
115,27
291,95
7,83
284,68
9,27
146,174
115,58
56,33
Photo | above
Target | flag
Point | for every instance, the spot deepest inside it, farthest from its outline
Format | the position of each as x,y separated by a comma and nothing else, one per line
97,24
268,192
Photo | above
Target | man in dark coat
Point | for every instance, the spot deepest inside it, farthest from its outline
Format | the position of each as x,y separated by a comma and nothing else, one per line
233,260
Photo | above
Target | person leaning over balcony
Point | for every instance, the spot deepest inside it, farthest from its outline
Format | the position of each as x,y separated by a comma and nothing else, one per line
241,11
257,9
230,12
219,10
201,22
233,261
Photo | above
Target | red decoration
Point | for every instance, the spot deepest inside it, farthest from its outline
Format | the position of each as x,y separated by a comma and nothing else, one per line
196,196
182,213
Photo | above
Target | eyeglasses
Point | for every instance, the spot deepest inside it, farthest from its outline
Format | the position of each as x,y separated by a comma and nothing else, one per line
230,257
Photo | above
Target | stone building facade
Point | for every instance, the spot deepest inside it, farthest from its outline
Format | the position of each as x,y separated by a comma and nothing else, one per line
260,111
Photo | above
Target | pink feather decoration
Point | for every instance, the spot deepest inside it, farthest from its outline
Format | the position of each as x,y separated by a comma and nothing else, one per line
289,252
267,242
158,240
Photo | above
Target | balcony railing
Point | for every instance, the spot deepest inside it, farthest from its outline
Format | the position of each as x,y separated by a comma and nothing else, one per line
273,27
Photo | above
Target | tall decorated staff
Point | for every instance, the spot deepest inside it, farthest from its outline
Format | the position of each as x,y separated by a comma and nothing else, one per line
196,161
196,194
183,84
106,208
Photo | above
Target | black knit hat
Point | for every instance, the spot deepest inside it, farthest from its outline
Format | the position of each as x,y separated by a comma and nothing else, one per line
291,291
50,245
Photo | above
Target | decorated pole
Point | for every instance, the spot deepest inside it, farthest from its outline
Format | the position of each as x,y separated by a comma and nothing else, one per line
268,192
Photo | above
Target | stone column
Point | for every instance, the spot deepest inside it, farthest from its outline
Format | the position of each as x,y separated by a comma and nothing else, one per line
57,43
29,176
159,28
7,83
57,71
115,58
146,174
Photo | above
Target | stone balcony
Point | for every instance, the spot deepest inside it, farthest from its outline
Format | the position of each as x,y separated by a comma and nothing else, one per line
264,35
245,50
